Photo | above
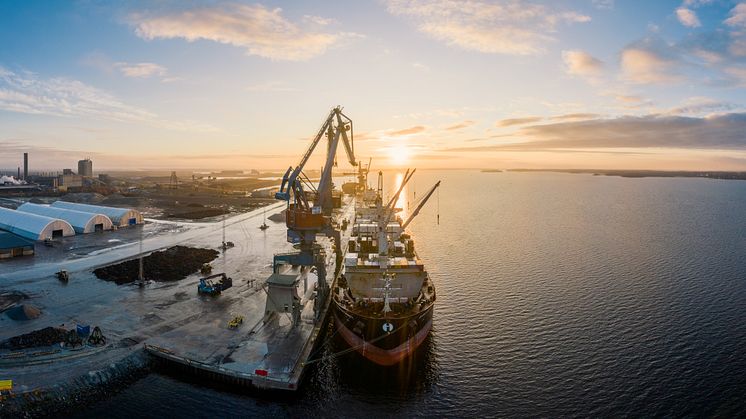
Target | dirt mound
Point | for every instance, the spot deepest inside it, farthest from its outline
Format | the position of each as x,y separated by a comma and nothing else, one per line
171,264
23,312
83,197
9,298
197,214
42,337
128,201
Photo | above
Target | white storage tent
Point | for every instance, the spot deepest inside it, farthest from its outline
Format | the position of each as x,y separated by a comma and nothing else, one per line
32,226
82,222
121,217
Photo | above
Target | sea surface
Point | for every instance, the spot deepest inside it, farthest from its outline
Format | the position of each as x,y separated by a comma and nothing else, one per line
559,295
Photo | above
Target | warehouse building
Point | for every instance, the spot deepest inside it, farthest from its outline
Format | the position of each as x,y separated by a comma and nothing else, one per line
12,246
121,217
32,226
82,222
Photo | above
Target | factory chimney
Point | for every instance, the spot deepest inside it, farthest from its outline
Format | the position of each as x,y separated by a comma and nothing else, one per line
25,166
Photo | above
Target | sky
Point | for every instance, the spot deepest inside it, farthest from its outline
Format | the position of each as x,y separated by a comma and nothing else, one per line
603,84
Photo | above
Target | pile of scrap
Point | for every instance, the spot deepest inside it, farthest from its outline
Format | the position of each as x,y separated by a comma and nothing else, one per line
43,337
171,264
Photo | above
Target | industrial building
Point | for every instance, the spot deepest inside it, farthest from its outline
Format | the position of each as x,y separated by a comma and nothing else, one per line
12,246
82,222
85,168
121,217
32,226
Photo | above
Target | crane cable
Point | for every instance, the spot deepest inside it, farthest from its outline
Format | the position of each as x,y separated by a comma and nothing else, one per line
438,216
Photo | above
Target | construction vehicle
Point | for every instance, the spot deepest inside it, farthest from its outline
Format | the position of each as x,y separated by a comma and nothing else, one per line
73,340
63,276
235,322
208,286
97,338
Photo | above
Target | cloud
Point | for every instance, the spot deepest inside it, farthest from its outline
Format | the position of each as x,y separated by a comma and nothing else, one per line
737,15
407,131
582,64
629,101
687,17
603,4
261,31
720,52
518,121
498,27
696,3
649,61
572,116
141,70
102,62
271,86
318,20
460,125
737,75
699,105
26,92
421,67
721,132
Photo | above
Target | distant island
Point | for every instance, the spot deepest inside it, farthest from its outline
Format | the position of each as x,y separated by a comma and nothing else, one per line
637,173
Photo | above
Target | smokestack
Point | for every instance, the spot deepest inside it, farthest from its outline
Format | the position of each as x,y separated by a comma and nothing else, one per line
25,166
19,174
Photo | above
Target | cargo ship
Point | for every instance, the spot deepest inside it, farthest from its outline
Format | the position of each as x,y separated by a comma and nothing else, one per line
383,302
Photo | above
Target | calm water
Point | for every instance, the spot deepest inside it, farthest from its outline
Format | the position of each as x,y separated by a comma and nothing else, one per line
559,295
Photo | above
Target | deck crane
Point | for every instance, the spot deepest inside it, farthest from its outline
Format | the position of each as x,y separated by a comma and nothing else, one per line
422,203
305,217
386,213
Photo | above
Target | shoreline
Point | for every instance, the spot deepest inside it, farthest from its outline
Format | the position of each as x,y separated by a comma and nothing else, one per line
703,174
81,390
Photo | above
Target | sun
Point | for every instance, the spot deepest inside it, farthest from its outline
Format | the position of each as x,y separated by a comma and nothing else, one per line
399,154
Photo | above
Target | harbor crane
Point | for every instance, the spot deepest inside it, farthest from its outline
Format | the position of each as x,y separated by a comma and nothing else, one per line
309,208
305,218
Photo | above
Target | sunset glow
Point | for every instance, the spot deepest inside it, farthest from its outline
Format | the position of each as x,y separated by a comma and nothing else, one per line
399,155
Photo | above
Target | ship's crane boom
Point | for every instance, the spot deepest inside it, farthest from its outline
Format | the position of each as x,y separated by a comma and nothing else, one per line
422,203
388,210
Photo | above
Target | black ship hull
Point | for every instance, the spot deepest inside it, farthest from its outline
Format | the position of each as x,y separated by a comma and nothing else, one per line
384,341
